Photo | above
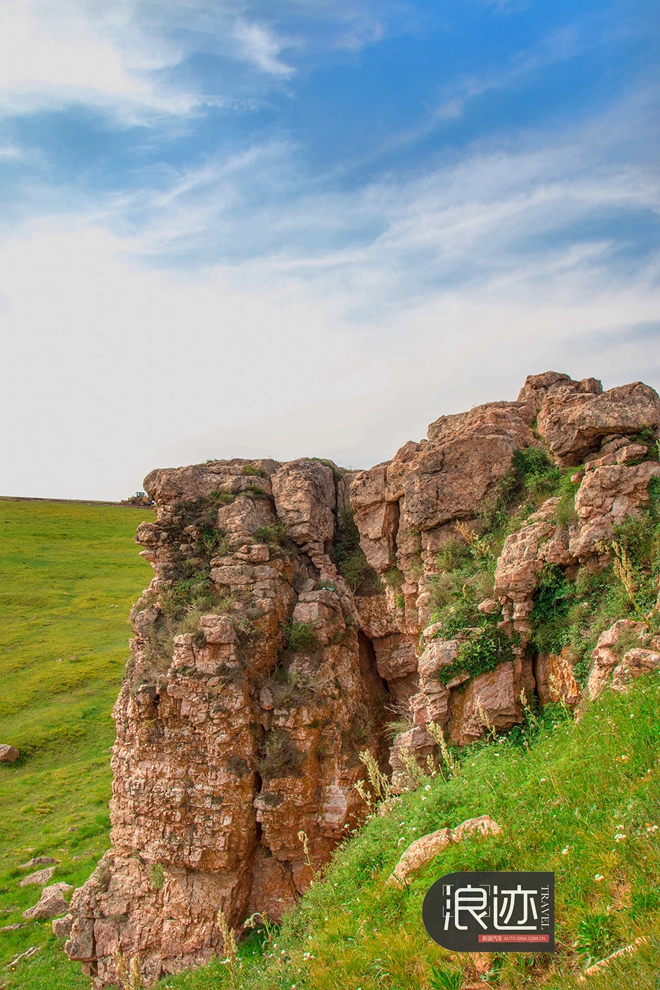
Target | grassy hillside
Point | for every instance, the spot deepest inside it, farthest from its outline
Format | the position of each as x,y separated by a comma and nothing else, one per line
580,798
69,573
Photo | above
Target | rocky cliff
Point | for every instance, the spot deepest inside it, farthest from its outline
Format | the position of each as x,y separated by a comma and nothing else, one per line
300,615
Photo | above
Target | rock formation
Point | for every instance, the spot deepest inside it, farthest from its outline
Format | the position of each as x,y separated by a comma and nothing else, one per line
262,666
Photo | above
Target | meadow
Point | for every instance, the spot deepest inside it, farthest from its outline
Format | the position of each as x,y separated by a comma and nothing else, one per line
69,573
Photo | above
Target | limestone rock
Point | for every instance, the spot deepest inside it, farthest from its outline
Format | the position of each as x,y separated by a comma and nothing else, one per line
50,904
8,754
607,654
423,850
574,423
40,877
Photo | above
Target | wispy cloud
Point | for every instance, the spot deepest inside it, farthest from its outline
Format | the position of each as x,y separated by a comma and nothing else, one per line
263,48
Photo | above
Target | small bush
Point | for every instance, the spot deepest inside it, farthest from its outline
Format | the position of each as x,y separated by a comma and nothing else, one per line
301,636
484,651
565,513
453,555
446,979
532,476
596,937
554,597
254,472
157,875
275,535
281,757
349,557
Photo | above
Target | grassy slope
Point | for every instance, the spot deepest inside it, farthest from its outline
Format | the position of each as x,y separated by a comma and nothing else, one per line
68,576
573,786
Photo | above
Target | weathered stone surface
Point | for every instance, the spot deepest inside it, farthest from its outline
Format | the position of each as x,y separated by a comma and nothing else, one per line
494,695
51,902
423,850
574,423
536,387
8,754
555,681
39,861
62,926
608,652
635,663
40,878
605,497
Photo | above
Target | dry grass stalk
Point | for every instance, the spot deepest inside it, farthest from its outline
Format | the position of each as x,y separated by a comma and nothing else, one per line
381,787
229,947
485,721
436,733
128,974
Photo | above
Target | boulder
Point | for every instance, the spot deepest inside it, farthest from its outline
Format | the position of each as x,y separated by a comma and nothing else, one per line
536,387
8,754
606,496
423,850
39,861
634,663
41,877
574,423
50,904
608,651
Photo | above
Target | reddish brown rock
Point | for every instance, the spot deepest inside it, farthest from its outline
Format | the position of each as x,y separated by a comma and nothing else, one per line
423,850
574,423
246,707
608,652
50,903
635,663
555,680
605,497
8,754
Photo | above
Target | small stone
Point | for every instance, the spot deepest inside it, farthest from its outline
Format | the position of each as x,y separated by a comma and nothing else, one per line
8,754
41,877
39,861
50,904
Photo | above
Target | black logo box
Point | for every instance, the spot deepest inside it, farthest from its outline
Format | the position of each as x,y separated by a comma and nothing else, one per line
492,912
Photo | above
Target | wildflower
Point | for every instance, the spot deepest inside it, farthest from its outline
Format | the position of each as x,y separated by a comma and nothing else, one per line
564,851
428,787
598,877
624,757
543,780
620,837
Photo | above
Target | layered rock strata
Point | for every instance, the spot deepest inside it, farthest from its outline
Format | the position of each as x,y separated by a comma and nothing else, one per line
258,675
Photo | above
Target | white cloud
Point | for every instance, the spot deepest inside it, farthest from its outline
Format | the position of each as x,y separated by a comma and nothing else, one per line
261,47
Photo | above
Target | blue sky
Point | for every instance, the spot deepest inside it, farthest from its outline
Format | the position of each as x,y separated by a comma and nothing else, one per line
311,227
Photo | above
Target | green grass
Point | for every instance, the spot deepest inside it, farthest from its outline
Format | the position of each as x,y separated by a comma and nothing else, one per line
561,790
69,574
